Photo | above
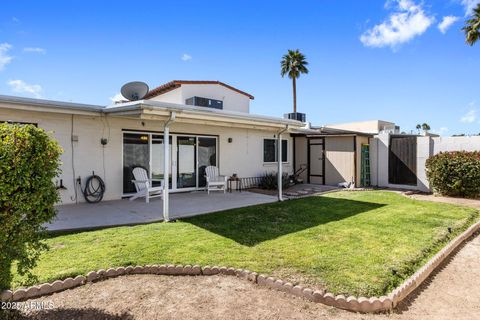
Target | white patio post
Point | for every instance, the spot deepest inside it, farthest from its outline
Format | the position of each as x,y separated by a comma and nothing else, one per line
280,164
166,167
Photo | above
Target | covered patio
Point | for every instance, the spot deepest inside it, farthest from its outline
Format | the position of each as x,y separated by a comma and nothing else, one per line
124,212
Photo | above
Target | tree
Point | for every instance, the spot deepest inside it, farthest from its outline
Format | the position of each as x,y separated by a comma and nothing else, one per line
472,27
293,64
425,126
418,127
30,160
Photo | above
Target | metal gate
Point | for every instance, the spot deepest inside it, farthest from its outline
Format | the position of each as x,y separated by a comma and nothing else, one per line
402,160
316,160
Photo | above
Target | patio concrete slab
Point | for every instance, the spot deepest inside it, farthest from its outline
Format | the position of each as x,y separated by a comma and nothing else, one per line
124,212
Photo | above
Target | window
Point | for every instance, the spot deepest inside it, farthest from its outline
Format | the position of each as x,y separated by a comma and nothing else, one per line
270,150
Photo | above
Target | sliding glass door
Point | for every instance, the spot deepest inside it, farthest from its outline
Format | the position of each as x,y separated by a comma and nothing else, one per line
136,153
158,160
190,155
207,156
186,160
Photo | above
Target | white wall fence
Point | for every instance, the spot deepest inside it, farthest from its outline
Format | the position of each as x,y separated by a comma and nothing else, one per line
426,147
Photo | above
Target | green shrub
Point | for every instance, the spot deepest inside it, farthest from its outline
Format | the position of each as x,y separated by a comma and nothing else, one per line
29,161
455,174
270,181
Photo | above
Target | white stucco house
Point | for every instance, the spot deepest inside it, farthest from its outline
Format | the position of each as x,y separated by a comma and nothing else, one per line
202,122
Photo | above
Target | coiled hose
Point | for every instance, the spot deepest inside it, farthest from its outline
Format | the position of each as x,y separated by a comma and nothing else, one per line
94,189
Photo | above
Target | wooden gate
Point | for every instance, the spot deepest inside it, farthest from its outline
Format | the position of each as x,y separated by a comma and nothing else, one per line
402,160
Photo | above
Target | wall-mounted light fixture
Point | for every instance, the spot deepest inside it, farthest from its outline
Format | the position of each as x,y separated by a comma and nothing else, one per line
230,140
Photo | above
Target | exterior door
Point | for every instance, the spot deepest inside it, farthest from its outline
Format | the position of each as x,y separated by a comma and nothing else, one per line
157,160
189,156
186,162
316,160
136,153
207,156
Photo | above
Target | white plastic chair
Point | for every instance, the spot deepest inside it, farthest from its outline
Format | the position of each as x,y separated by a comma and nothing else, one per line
143,186
215,182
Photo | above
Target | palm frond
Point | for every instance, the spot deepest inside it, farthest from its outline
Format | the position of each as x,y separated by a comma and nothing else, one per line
293,64
472,27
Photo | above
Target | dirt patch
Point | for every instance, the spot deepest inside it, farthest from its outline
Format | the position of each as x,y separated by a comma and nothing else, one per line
451,293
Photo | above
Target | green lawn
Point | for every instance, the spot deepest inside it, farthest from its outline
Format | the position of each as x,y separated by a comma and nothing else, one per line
361,243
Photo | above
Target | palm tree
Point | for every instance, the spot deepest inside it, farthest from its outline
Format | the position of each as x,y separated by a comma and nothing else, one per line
293,64
418,127
425,127
472,27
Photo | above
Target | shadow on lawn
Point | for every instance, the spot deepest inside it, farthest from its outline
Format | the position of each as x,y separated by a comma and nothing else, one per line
250,226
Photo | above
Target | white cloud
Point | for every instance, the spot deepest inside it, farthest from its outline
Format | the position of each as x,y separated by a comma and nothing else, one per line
469,5
440,131
408,21
4,57
35,50
186,57
21,86
446,23
469,117
117,97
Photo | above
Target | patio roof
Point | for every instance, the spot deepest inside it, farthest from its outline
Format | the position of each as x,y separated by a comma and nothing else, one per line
156,110
153,110
42,105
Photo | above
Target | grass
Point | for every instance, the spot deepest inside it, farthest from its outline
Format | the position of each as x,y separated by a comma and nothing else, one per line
361,243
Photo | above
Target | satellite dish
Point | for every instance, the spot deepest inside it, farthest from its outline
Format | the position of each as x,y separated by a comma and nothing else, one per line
135,90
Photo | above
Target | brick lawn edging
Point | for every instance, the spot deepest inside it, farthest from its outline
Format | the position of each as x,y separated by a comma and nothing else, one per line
351,303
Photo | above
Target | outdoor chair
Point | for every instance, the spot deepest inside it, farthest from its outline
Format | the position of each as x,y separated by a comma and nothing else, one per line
215,182
144,187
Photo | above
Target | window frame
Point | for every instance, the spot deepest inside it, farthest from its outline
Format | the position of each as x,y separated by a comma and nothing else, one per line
284,147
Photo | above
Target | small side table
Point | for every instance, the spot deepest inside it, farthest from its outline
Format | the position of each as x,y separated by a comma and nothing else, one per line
238,184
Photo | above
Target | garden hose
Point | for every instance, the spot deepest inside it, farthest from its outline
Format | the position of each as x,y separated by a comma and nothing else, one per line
94,189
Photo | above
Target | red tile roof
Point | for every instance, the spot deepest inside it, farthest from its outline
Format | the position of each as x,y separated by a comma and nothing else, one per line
178,83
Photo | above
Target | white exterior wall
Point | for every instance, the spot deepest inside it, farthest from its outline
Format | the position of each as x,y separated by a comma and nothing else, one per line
426,147
232,100
174,96
243,156
371,126
441,144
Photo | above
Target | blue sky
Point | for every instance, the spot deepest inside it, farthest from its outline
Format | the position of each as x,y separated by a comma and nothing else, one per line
397,60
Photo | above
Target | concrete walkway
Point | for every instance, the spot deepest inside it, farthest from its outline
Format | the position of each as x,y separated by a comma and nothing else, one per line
124,212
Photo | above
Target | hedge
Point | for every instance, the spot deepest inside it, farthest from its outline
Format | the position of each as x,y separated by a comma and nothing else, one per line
29,163
455,173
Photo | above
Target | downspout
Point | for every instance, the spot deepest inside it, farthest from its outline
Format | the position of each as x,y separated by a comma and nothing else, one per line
279,163
166,165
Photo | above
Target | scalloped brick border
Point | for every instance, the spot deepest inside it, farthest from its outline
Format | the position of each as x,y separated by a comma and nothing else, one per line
351,303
